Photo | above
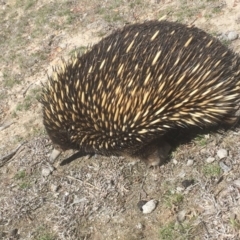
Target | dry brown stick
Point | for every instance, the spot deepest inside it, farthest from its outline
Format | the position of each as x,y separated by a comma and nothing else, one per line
25,91
4,126
87,183
7,157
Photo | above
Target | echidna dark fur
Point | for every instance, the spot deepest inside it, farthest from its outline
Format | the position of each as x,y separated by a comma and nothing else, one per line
124,95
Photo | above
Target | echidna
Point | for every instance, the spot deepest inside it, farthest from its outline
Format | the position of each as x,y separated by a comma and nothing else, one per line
124,95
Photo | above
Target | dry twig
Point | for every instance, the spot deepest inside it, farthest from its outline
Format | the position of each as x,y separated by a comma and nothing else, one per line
4,126
9,156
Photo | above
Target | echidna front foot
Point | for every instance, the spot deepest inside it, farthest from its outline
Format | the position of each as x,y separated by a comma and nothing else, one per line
155,153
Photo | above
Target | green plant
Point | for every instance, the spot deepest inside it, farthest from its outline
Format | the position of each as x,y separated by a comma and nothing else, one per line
32,97
20,175
172,198
176,230
211,170
9,80
24,185
25,105
44,234
235,223
201,140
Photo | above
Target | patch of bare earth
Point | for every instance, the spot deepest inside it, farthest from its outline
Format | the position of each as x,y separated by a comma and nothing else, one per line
95,197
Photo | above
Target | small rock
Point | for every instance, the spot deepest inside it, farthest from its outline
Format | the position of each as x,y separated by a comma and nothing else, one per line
139,226
186,183
54,154
224,167
132,163
237,183
207,136
66,197
182,174
179,189
222,153
88,156
232,36
63,45
203,151
149,206
53,187
223,37
175,161
78,200
46,171
190,162
181,216
210,159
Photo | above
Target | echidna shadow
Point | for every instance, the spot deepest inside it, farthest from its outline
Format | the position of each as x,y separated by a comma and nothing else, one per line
129,92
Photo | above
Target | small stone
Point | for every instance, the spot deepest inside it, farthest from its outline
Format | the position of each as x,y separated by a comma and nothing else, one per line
62,45
207,136
77,200
224,167
222,153
66,197
175,161
139,226
210,159
237,183
132,163
190,162
149,206
232,36
179,189
223,37
54,154
88,156
53,187
181,216
46,171
182,174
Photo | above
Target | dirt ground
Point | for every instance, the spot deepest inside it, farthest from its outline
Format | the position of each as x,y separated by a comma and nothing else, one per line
95,197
